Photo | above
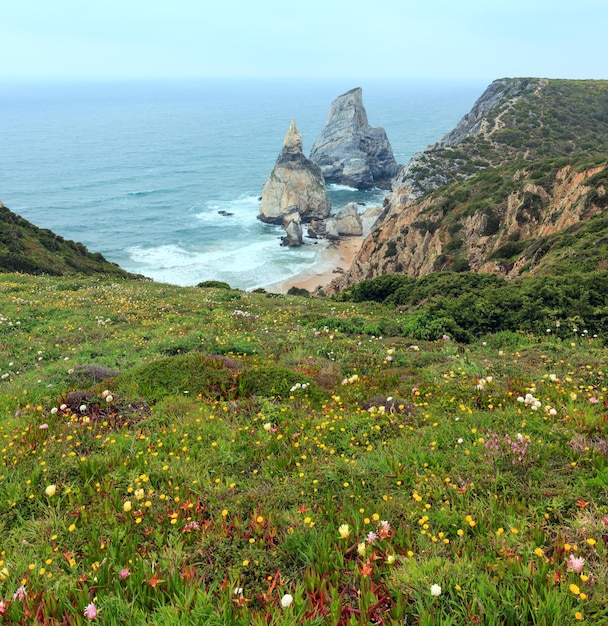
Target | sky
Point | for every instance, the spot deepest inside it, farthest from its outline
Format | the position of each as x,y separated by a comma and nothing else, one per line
409,39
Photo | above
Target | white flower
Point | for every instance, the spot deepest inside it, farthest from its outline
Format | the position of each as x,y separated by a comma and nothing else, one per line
435,590
460,439
54,410
83,408
344,531
286,600
552,412
51,490
109,398
268,426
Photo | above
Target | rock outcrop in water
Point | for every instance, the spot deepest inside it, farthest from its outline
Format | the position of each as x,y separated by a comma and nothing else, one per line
295,184
349,151
345,223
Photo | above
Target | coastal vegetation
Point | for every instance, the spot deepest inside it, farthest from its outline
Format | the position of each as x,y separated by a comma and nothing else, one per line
32,250
207,455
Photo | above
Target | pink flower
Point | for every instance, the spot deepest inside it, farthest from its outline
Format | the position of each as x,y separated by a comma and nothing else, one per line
575,563
20,594
3,607
593,400
371,536
91,611
43,426
384,529
124,573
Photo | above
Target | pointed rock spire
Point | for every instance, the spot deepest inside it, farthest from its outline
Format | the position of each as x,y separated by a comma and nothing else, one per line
351,152
294,183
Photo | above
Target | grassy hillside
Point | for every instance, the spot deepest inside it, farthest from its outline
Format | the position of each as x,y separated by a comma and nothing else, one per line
32,250
186,456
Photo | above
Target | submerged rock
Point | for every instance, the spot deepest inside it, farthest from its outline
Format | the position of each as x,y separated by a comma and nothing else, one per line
294,183
351,152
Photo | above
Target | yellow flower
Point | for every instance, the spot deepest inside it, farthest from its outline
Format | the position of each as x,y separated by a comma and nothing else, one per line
460,532
126,507
578,615
71,528
390,559
51,490
344,531
361,549
574,589
500,531
539,552
583,596
591,541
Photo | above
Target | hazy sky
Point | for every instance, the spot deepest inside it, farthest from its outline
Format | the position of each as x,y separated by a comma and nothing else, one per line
483,39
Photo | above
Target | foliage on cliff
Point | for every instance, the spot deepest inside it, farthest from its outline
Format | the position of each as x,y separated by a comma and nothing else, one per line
529,119
32,250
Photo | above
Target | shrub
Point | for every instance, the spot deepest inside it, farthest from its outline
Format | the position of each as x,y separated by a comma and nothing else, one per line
213,284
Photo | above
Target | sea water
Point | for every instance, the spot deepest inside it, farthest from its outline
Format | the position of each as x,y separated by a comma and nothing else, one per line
164,178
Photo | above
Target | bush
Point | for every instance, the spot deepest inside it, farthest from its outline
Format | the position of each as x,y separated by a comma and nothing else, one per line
213,284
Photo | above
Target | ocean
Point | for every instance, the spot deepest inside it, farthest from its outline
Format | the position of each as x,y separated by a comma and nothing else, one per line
140,171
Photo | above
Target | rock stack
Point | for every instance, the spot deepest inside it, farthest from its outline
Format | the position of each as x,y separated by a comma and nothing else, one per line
295,186
349,151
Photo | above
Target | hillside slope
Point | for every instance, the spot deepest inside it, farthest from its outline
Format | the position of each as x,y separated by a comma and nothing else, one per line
510,190
31,250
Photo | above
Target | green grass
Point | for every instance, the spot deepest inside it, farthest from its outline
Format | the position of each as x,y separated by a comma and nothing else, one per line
241,433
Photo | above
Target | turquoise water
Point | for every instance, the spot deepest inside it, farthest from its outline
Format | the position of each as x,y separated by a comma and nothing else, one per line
140,171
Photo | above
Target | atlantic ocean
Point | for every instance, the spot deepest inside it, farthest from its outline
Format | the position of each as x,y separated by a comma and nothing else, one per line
164,177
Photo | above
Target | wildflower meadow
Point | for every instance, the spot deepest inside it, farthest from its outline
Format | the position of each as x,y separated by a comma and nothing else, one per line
176,455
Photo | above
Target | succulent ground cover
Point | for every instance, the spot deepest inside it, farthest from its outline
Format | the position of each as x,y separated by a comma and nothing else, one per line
186,455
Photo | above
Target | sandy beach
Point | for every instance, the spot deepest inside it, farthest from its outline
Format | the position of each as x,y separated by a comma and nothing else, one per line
337,257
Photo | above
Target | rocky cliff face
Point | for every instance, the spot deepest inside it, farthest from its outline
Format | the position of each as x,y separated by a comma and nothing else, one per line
509,238
504,192
515,118
351,152
294,183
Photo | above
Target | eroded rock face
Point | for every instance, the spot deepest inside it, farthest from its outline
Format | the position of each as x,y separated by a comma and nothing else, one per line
346,223
351,152
295,182
292,223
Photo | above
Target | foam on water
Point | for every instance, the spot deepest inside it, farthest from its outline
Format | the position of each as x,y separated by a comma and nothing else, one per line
248,266
336,187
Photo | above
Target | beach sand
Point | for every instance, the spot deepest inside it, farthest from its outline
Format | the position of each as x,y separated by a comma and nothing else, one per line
333,261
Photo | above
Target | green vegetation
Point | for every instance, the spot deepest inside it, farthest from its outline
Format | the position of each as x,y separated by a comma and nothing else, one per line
174,456
533,120
469,305
32,250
